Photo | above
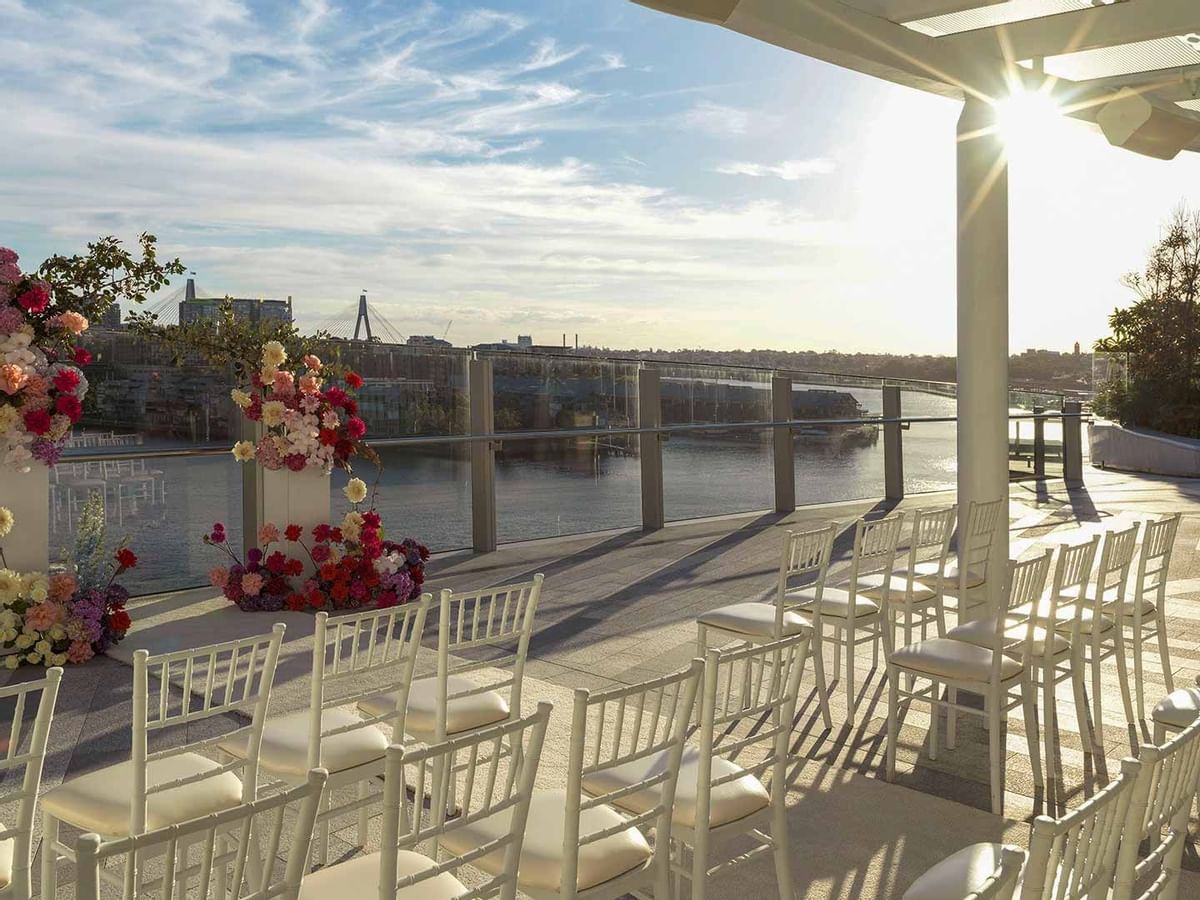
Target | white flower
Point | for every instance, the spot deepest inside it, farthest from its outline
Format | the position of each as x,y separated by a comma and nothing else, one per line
24,641
10,585
273,354
34,658
272,413
43,647
57,632
36,586
6,521
241,398
11,661
58,659
352,525
243,451
355,490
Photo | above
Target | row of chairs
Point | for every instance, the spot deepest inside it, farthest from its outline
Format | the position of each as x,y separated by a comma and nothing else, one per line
641,803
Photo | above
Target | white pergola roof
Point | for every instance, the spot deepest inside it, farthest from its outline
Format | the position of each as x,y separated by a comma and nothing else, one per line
1093,51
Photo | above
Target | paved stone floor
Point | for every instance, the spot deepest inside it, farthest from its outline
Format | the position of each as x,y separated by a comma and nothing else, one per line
618,608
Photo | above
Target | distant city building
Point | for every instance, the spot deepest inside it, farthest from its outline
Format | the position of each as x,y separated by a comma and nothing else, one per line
208,309
426,340
524,343
110,318
1077,348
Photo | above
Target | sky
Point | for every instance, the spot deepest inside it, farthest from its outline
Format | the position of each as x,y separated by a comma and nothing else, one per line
543,167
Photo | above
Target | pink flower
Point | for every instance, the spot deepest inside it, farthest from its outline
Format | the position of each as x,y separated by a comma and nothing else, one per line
62,587
44,616
72,322
251,584
310,384
12,378
311,361
267,534
11,318
284,383
218,577
79,652
8,255
10,273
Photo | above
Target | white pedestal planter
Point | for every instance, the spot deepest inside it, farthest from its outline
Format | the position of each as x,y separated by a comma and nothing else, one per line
27,494
294,498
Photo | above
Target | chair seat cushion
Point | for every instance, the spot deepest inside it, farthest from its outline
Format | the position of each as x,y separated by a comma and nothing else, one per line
727,803
755,619
359,878
957,660
1064,615
898,585
959,874
834,602
542,852
285,744
1179,708
927,571
100,801
464,713
981,632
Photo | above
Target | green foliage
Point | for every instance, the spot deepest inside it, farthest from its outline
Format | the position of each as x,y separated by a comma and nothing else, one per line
1160,335
233,341
92,282
89,558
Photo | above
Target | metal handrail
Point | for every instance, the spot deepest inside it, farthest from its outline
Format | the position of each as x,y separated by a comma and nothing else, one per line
561,434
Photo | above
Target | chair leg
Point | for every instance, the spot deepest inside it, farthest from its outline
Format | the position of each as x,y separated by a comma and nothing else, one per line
364,813
1078,679
701,640
1138,681
934,713
1097,703
49,856
1029,707
1164,654
995,754
1160,734
700,862
1123,672
848,634
1050,724
779,838
952,719
893,721
818,654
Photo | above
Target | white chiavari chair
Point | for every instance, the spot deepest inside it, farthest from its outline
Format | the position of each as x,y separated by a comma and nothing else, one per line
733,781
806,554
24,752
584,847
353,656
157,788
1176,711
229,855
853,617
994,669
983,872
413,860
966,577
1158,819
919,601
1144,616
482,644
1072,858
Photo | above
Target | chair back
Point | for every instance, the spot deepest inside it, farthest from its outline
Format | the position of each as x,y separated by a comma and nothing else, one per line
1075,857
483,789
24,753
231,855
1158,817
620,727
748,701
975,543
363,655
1072,574
193,685
804,553
932,529
875,543
1024,585
1150,583
472,623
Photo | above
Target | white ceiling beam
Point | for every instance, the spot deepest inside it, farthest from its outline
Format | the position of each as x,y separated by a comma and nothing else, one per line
908,10
1085,29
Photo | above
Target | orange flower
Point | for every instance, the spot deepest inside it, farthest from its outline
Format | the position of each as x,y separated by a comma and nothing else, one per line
12,378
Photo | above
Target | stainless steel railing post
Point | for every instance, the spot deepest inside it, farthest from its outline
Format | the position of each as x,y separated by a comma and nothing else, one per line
483,456
784,444
650,449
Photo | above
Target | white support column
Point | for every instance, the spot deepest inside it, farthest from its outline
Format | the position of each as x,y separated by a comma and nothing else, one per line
983,315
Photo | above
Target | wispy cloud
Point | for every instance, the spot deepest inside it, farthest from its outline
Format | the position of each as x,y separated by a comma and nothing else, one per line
715,119
788,170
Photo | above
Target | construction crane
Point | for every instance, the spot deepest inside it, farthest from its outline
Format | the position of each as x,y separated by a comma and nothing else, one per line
447,331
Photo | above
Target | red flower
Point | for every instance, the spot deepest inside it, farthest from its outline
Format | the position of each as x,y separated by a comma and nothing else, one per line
36,298
371,519
322,532
119,620
69,406
37,421
351,407
356,427
353,380
335,397
276,586
316,600
293,532
320,552
328,437
254,410
340,591
296,462
295,568
386,599
82,357
126,558
276,563
296,602
328,572
66,380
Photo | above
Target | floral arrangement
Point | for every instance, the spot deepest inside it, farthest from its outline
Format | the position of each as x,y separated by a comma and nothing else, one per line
67,616
307,420
352,565
41,388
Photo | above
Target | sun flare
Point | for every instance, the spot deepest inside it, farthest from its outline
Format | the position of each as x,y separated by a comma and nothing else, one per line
1026,116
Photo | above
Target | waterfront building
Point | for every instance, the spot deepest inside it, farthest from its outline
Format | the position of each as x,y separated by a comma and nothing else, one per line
202,309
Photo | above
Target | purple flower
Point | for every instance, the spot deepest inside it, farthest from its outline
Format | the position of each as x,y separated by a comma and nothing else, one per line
253,557
46,451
